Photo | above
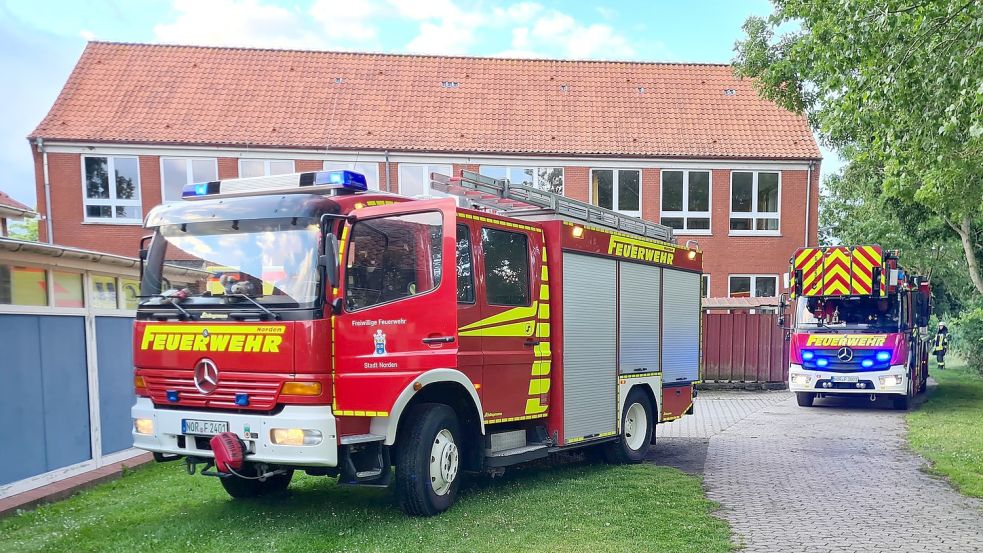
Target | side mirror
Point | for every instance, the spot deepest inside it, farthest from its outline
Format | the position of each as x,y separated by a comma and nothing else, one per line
143,253
329,260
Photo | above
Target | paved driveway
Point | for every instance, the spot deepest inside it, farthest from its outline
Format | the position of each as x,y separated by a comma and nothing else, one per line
835,477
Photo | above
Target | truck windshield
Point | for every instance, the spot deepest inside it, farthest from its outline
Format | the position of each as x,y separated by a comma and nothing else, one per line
272,261
859,313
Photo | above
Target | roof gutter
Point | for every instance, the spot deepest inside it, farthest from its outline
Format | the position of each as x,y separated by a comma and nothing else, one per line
812,165
49,232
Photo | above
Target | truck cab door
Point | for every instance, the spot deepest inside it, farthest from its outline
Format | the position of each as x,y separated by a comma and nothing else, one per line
398,315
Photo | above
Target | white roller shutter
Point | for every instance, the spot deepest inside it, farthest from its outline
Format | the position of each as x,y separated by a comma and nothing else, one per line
681,326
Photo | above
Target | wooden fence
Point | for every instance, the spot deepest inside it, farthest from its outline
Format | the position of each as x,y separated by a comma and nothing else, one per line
744,347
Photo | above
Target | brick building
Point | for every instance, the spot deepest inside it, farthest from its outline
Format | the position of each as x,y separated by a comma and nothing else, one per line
689,145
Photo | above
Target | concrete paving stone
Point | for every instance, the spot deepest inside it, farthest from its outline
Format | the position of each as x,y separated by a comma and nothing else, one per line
834,477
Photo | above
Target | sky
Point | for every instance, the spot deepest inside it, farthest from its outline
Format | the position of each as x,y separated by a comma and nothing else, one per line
40,41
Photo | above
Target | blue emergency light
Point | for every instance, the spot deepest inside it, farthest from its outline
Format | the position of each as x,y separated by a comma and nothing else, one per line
242,400
822,362
347,181
867,363
883,356
807,355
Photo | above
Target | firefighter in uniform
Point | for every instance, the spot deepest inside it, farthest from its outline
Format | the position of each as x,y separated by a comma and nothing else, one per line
941,344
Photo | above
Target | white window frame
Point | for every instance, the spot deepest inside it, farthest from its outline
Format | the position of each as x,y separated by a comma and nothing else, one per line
427,168
686,213
754,214
754,279
189,173
705,278
111,201
521,168
615,201
266,165
371,180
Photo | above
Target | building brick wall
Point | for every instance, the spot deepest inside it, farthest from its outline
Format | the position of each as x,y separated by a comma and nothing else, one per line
724,255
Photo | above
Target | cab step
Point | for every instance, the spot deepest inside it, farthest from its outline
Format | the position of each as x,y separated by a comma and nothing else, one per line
516,455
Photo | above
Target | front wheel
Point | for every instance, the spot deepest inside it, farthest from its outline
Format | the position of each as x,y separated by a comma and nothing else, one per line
637,426
428,460
903,403
804,399
244,488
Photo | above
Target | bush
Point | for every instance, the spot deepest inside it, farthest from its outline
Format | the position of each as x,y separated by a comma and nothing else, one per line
966,337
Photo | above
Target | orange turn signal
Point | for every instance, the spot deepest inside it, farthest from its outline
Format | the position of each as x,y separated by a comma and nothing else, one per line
138,382
301,389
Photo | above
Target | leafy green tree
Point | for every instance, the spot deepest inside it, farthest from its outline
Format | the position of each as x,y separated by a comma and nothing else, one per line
898,84
25,230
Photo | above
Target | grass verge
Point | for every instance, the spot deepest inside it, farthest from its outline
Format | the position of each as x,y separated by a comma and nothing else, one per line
575,507
948,428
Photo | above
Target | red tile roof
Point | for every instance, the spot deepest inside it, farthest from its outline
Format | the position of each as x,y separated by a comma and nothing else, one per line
8,202
142,93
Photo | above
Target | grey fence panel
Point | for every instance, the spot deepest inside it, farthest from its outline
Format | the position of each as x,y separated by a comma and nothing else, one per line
22,404
66,390
114,346
45,403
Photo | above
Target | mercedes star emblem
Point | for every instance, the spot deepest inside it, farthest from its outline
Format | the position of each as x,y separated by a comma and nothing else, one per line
845,354
206,376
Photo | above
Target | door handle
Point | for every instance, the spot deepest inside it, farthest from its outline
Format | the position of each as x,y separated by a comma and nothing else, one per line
531,342
438,340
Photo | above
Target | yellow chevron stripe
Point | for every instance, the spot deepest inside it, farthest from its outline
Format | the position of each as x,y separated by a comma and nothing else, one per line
514,314
519,329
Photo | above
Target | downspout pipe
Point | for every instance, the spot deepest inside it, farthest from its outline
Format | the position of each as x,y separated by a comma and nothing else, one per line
49,231
388,182
812,165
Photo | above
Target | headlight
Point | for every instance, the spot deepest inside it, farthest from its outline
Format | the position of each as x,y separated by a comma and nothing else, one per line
143,426
295,436
891,380
801,379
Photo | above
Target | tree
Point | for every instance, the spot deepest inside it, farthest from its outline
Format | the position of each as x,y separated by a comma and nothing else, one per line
25,230
899,84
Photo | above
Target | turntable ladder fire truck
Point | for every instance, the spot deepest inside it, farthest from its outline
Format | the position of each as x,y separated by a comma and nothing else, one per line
344,332
860,325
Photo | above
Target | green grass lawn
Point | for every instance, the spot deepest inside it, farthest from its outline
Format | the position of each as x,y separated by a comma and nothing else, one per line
574,507
948,428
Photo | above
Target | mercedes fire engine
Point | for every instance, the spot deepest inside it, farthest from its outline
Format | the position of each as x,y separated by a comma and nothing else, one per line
860,325
344,332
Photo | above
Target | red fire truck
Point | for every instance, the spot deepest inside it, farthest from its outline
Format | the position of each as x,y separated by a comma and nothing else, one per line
860,325
356,331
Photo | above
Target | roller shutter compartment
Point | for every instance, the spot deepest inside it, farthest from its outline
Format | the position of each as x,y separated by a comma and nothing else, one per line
681,327
589,346
639,318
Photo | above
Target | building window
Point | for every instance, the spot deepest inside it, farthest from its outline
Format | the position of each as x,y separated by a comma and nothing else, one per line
369,169
543,178
754,200
686,201
112,189
414,180
108,292
175,172
265,167
617,189
23,286
705,286
753,286
506,267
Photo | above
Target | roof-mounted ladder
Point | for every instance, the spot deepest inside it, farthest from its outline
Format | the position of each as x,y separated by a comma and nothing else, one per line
519,200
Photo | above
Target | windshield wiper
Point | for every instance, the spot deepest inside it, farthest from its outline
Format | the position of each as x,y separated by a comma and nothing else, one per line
275,316
184,313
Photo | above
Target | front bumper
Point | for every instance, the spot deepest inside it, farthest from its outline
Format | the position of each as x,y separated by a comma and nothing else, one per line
254,430
871,380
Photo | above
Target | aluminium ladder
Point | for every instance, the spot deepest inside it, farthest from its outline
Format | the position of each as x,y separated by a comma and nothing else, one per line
518,200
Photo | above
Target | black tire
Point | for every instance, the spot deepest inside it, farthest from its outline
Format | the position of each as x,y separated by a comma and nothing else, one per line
805,399
903,403
417,440
243,488
621,451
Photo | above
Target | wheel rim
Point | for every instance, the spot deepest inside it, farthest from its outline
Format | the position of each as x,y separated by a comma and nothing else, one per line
636,425
444,462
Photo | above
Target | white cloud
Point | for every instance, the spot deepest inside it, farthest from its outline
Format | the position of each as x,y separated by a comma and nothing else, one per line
87,35
256,24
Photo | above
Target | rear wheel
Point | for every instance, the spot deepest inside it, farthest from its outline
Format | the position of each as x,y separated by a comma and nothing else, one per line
243,488
428,460
804,399
637,426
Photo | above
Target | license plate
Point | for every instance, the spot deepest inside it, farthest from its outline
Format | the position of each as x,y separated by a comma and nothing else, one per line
203,428
836,378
